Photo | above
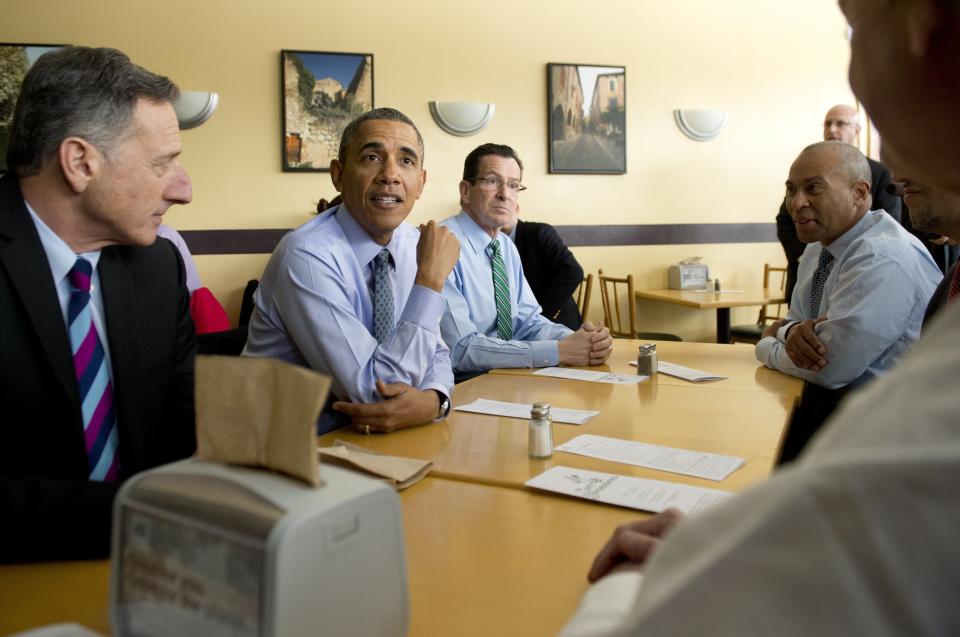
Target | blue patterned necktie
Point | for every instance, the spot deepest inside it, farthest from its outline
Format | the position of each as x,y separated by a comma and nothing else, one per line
501,293
382,296
93,378
816,286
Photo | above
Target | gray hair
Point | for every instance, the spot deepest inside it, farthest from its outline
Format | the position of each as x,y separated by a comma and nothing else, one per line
851,163
78,92
388,114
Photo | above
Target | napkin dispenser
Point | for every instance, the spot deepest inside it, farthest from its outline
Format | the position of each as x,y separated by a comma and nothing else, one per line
203,548
687,276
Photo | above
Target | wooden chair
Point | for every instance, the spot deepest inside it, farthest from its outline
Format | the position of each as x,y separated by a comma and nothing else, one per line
768,313
583,294
620,327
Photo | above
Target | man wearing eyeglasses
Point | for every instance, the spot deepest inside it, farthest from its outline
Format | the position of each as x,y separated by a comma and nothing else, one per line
841,123
493,319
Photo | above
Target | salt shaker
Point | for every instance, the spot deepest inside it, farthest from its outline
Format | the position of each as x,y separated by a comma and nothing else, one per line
540,431
647,359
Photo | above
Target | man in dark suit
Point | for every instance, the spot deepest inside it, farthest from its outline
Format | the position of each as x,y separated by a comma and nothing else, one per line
841,123
96,341
551,269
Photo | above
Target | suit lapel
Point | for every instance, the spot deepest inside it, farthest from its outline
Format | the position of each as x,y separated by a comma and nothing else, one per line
23,258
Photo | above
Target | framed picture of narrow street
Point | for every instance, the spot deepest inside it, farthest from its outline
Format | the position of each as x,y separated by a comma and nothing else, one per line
586,114
322,93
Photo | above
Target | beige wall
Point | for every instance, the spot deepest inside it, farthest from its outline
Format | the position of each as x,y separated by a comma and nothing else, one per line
774,65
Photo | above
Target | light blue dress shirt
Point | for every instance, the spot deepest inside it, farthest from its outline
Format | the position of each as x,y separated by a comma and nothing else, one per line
314,307
61,258
469,325
874,299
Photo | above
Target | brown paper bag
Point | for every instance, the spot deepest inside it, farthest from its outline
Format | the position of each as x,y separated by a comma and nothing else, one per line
398,471
259,412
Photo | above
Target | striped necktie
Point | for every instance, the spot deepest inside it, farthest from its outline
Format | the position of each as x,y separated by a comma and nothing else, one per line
501,293
382,296
816,286
93,378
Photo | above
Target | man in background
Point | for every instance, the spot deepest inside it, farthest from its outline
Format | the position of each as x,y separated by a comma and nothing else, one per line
841,123
549,267
96,342
493,319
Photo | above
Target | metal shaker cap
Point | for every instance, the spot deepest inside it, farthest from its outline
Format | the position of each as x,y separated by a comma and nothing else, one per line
648,348
540,410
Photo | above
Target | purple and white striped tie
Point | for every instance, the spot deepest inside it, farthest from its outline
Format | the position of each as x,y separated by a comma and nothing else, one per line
93,378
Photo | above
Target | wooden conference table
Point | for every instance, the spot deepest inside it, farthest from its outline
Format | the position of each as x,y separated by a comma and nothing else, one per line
721,301
485,555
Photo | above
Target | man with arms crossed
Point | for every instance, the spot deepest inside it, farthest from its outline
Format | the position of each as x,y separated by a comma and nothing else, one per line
492,318
859,535
96,341
863,284
355,292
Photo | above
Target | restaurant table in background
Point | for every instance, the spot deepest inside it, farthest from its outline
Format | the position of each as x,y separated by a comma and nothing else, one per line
721,301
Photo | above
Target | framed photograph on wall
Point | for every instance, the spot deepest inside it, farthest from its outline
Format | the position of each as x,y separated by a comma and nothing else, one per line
322,93
586,115
15,59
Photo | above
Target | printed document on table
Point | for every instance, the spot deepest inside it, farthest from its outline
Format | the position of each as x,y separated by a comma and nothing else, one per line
636,493
711,466
520,410
686,373
590,376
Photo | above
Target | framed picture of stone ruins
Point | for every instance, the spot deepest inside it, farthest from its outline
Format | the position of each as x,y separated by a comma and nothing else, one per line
586,115
321,92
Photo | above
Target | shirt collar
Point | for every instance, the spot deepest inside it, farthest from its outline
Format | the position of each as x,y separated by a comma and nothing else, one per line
477,237
363,246
59,255
840,245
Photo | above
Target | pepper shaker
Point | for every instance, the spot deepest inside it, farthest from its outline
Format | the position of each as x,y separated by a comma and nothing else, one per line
540,430
647,359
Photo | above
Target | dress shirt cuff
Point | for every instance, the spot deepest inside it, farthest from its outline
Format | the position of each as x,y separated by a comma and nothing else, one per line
762,351
544,353
782,332
424,308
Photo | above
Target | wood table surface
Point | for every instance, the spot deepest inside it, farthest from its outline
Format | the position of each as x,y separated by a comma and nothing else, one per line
719,301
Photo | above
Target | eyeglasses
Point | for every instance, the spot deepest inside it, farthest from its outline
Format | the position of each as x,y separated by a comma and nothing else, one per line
495,183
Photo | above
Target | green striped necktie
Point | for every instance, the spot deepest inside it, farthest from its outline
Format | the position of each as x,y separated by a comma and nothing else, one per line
501,292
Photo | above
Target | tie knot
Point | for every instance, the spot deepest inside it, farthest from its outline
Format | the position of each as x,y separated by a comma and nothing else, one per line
825,258
79,275
382,259
494,247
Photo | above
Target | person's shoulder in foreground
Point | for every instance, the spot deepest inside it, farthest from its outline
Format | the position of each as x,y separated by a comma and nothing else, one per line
355,293
96,341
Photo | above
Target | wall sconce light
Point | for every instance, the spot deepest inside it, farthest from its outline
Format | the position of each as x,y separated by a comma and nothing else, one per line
462,118
700,125
195,107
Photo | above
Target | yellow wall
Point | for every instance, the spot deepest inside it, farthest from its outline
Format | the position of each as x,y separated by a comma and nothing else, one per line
774,65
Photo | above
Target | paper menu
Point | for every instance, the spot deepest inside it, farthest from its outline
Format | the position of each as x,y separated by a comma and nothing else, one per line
590,376
521,410
626,491
692,463
686,373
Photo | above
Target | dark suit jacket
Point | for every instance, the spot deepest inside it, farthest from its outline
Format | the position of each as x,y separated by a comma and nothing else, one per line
939,298
787,231
551,270
50,510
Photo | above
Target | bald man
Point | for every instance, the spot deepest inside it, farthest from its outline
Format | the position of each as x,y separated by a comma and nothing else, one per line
841,123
